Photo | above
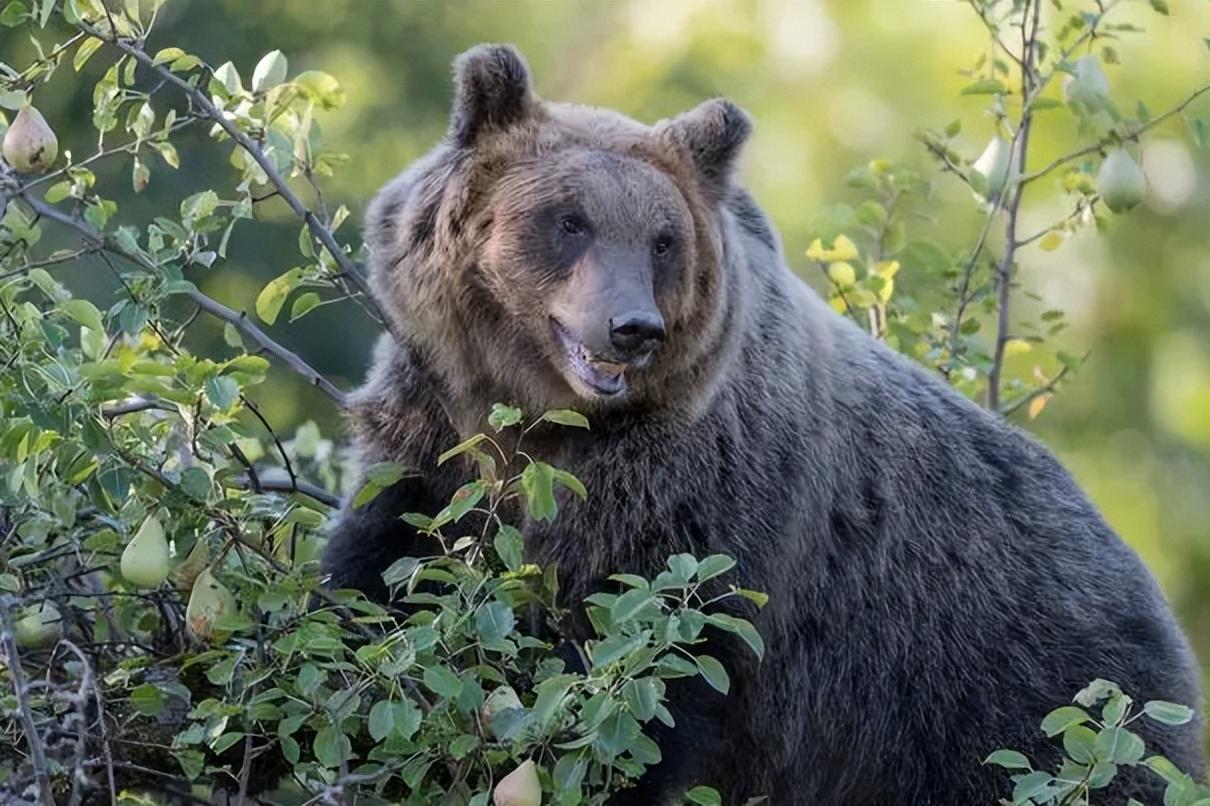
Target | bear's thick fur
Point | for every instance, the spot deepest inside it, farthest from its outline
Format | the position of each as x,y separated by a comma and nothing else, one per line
937,582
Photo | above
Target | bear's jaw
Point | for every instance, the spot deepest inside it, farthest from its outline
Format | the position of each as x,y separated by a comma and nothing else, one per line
590,376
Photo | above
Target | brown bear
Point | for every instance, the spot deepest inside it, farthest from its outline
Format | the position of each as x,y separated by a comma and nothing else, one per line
937,582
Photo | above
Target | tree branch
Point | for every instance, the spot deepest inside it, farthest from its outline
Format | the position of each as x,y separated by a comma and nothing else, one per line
1004,268
239,320
1100,144
202,102
37,755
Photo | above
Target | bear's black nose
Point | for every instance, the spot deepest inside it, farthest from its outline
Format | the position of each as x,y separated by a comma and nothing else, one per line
636,330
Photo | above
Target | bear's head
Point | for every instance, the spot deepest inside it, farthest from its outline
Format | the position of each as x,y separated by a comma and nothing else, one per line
557,255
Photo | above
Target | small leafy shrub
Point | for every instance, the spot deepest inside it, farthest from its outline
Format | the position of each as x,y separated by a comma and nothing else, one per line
1095,749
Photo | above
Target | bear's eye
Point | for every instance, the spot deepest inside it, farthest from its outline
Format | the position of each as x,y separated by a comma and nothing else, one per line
662,245
572,225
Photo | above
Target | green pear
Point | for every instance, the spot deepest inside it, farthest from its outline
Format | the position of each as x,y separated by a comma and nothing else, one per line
1120,182
996,166
145,559
519,788
30,145
502,698
209,601
38,626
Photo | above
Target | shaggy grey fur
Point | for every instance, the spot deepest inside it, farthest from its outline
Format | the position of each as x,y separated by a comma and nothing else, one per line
937,582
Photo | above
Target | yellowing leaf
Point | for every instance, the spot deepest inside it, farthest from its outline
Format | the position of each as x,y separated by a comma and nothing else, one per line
842,249
1051,241
1014,347
1037,404
842,273
886,268
271,298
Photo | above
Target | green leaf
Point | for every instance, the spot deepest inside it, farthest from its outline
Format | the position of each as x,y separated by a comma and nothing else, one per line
987,86
198,206
551,693
924,256
321,88
713,566
442,682
462,447
494,621
84,313
271,298
565,479
1063,718
222,391
714,673
195,483
704,796
13,14
304,305
1119,745
270,71
166,55
954,127
566,417
630,604
1029,785
87,48
1170,713
510,547
1042,104
642,695
147,699
1079,742
1009,760
503,416
756,597
1161,6
331,747
740,627
228,78
537,480
683,567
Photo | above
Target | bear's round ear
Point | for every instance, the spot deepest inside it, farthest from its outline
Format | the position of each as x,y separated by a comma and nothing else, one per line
712,134
491,91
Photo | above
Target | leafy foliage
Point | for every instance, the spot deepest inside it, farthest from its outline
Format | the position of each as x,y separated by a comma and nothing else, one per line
1095,750
159,537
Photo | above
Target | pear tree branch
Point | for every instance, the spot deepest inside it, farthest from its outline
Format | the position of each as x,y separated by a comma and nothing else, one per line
206,108
237,319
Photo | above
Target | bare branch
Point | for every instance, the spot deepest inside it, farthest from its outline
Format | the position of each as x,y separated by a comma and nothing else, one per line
1004,267
37,755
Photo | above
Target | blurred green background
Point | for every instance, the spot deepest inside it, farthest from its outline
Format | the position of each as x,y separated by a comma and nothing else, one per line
830,85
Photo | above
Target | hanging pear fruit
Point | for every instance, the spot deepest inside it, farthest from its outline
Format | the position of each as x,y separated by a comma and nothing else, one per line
1120,182
995,165
519,788
209,601
145,559
38,626
30,145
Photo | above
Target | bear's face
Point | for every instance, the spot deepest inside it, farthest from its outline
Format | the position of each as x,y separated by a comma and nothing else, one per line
587,253
553,255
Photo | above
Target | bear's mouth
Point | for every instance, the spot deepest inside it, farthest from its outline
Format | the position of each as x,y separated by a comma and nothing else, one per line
605,378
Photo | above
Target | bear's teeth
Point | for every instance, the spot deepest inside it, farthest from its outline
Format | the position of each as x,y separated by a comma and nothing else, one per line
609,368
